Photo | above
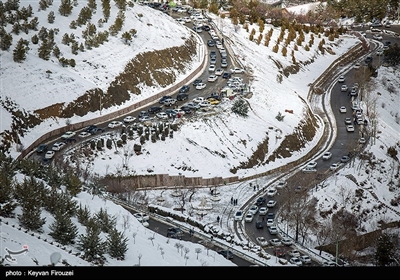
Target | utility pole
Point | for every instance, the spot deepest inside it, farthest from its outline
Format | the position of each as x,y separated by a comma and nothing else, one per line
337,248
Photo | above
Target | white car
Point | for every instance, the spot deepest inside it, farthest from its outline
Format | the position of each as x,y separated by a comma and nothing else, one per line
84,134
211,68
341,79
281,184
377,37
200,85
193,105
312,164
272,192
114,124
335,166
273,230
344,88
58,146
296,261
262,241
326,155
198,99
357,65
237,70
271,203
68,135
219,71
145,118
249,218
294,253
49,154
129,119
162,115
205,103
342,109
309,170
239,215
179,111
305,259
253,209
141,216
287,241
212,78
263,211
270,222
362,140
350,128
275,242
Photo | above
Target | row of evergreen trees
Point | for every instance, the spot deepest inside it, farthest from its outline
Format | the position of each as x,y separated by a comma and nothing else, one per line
48,188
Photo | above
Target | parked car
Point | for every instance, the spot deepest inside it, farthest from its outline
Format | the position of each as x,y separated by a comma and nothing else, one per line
249,218
309,170
210,43
162,115
239,215
114,124
169,102
84,134
170,112
141,216
362,140
271,203
219,71
253,209
312,164
270,222
294,253
262,241
335,166
213,101
295,261
41,148
237,70
281,184
287,241
212,78
211,68
129,119
184,89
226,253
186,109
263,211
341,79
200,86
344,159
175,232
279,252
260,200
164,98
193,106
68,135
273,230
226,75
198,99
145,119
342,109
270,215
272,192
347,120
326,155
58,146
182,96
49,154
275,242
305,259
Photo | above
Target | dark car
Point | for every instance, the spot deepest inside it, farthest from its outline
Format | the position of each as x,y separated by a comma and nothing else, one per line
368,60
260,201
175,233
154,109
162,99
143,113
213,54
210,43
90,128
184,89
226,75
186,109
182,96
226,253
206,28
93,129
170,112
41,148
215,95
279,252
196,82
270,215
259,225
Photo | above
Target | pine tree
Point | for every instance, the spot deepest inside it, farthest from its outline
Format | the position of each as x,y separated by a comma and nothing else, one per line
90,243
92,4
106,9
240,107
127,37
34,23
20,50
30,217
65,8
63,230
83,215
51,17
117,244
43,5
35,39
104,220
72,182
385,251
5,41
56,51
44,50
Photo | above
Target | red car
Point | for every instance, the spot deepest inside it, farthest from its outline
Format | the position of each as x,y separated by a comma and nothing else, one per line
279,252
